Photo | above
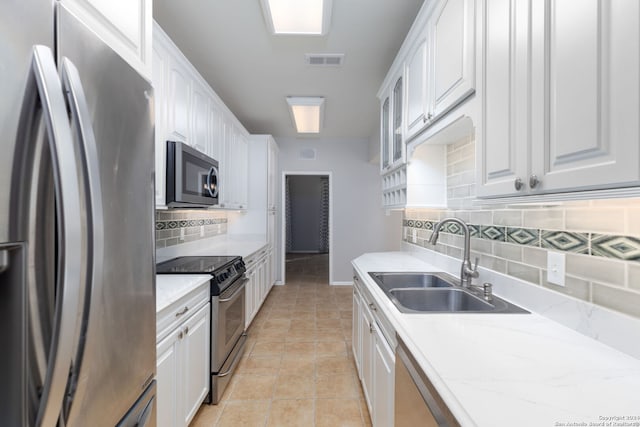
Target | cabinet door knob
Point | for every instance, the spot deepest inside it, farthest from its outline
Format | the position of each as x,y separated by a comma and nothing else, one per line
518,184
533,181
429,116
186,330
372,307
180,335
371,330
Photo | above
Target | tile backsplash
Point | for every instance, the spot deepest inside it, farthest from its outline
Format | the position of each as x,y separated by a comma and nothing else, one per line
600,238
174,227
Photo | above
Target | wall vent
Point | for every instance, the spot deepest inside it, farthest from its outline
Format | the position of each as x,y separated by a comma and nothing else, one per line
308,154
324,59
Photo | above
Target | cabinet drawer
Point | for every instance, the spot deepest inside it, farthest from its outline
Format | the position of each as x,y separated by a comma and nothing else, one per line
388,331
170,317
251,260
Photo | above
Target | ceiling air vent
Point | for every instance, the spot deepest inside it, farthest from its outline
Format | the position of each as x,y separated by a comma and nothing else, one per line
324,59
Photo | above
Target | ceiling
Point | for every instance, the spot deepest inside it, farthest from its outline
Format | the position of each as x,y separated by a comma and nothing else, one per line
253,71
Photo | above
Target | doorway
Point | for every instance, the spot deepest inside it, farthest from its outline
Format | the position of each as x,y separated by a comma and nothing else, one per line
307,228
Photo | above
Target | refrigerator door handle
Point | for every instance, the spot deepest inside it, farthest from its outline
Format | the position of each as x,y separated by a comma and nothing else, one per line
44,88
92,195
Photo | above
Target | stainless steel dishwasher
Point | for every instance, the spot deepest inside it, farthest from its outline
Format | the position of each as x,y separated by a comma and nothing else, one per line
417,403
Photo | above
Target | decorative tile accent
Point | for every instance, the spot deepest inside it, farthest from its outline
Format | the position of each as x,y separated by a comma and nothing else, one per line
620,247
492,232
523,236
428,225
410,223
188,221
565,241
417,224
475,230
453,228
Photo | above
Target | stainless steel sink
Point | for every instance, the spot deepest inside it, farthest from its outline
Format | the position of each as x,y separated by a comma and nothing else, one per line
438,293
440,300
388,281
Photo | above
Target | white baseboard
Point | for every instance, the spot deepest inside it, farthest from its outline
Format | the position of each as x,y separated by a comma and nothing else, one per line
341,283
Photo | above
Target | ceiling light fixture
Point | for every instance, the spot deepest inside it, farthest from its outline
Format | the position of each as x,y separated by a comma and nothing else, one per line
300,17
307,113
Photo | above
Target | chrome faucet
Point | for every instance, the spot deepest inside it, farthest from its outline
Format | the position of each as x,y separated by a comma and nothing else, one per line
467,270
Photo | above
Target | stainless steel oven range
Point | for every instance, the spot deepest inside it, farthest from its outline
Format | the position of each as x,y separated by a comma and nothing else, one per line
227,311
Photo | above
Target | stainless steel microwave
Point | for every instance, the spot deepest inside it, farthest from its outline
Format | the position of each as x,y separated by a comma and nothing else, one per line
192,177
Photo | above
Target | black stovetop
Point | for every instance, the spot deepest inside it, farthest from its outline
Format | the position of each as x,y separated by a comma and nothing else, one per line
195,264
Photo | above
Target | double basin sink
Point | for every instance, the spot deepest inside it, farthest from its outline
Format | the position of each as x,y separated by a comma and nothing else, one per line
438,293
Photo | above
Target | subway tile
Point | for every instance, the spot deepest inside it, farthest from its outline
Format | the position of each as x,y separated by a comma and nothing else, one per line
508,251
454,252
632,222
619,247
508,217
479,245
618,299
575,287
493,263
524,272
546,219
481,217
596,269
534,256
595,220
633,276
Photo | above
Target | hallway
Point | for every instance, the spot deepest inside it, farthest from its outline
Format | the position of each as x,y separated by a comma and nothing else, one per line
298,367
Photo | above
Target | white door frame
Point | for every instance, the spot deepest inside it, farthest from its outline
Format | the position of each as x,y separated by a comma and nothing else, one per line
283,220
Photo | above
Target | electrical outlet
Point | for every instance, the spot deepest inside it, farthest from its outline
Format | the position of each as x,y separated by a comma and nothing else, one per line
415,234
182,234
202,231
555,268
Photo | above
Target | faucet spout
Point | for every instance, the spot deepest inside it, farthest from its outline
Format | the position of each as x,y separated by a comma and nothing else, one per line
467,270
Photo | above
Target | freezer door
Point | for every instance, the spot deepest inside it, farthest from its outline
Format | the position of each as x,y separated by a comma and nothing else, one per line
115,359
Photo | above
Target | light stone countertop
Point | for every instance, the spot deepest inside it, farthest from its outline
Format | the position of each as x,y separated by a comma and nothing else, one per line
172,287
511,369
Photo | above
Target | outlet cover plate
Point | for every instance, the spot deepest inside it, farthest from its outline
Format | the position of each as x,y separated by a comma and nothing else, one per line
556,268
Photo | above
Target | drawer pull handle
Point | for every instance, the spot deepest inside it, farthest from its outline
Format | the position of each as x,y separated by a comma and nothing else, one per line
372,307
181,312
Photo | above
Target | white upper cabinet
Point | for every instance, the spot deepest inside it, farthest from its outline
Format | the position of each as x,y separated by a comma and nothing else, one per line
586,127
452,66
125,25
504,66
416,80
200,118
189,111
439,62
561,97
178,106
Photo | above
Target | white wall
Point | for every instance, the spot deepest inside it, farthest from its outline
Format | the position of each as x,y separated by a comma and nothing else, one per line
359,223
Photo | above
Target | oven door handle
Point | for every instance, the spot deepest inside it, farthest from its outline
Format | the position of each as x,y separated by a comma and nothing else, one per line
235,294
232,367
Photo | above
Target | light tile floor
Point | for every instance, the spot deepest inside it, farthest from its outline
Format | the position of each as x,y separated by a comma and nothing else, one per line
298,367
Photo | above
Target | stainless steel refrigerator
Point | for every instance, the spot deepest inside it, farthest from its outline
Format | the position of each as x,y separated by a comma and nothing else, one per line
77,262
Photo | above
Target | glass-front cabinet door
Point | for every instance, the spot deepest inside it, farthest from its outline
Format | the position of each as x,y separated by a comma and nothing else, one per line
397,122
384,135
391,137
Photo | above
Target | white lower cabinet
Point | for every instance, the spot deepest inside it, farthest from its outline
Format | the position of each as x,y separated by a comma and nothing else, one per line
259,284
182,362
374,356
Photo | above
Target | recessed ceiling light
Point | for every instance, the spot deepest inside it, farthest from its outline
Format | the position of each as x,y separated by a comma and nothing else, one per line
307,113
302,17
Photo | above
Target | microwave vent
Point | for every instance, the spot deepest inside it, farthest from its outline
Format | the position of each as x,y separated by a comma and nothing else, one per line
324,59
